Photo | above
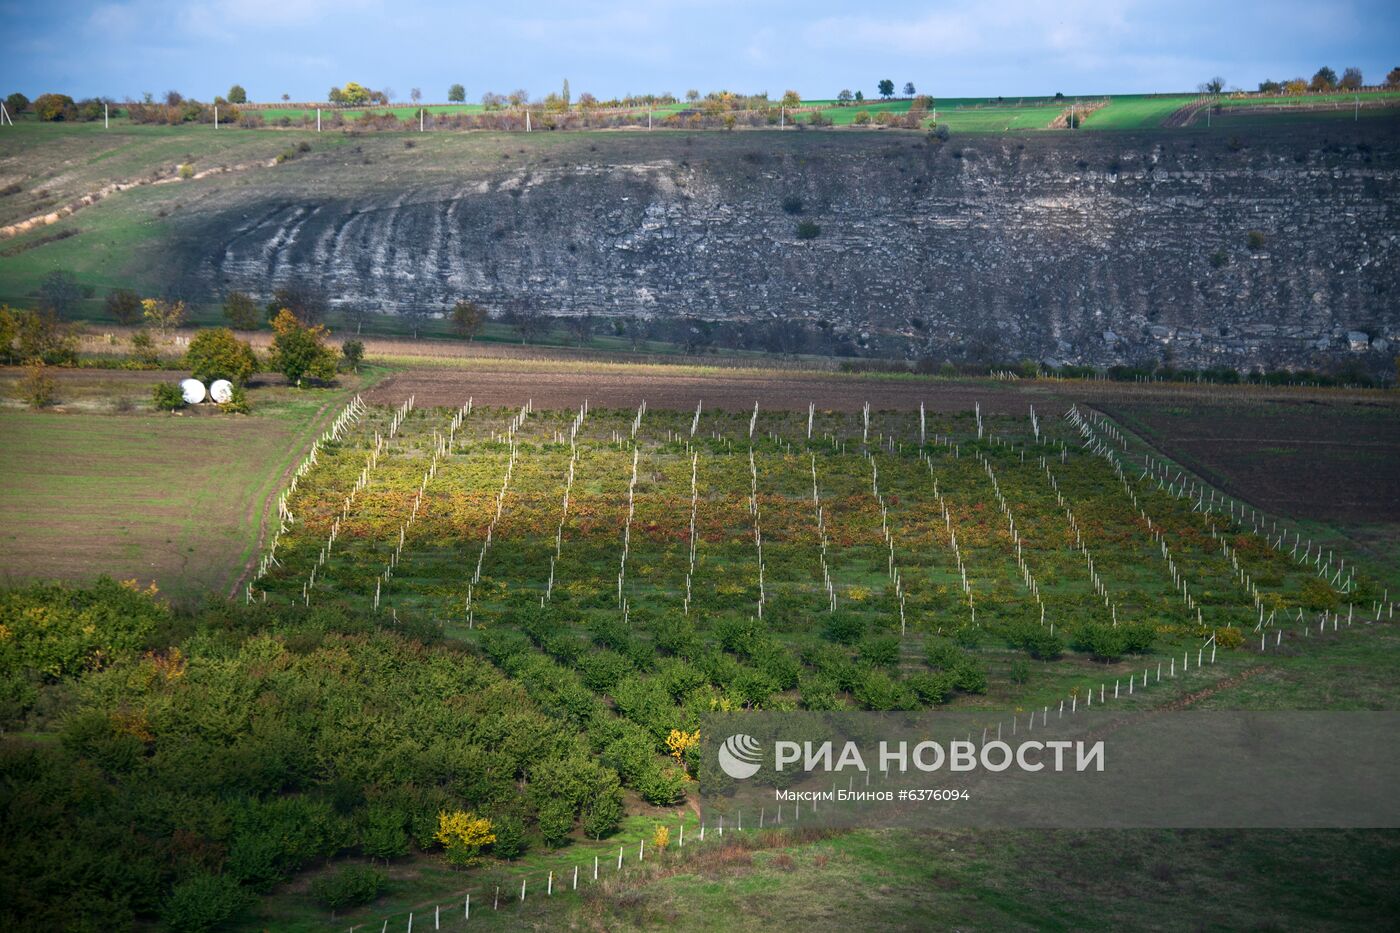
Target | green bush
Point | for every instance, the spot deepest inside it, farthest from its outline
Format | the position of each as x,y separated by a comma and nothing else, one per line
774,662
54,107
352,352
602,809
556,821
880,652
932,688
58,632
1138,637
1317,595
602,669
237,403
143,350
808,230
1103,642
662,785
299,352
351,886
830,661
819,692
971,677
967,674
877,690
202,902
241,311
1108,643
215,353
942,656
675,635
381,833
845,628
969,636
38,387
167,397
510,836
1036,640
750,688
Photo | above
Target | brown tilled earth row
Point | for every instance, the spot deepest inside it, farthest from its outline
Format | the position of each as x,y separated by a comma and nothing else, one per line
790,391
779,391
1331,462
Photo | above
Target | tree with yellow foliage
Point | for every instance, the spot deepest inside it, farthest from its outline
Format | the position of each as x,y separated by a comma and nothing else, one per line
463,835
163,315
299,351
661,838
679,742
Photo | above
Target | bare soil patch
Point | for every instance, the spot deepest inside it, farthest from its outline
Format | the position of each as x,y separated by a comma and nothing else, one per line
1309,459
730,392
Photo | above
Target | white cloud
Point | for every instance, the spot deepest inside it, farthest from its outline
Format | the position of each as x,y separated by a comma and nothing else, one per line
1003,28
114,19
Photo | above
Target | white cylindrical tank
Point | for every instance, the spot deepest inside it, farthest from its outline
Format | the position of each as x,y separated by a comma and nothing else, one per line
192,390
221,391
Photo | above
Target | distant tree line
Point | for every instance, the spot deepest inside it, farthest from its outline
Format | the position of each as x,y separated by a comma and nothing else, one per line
1325,79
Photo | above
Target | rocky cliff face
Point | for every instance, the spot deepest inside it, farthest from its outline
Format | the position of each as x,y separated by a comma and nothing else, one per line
1259,249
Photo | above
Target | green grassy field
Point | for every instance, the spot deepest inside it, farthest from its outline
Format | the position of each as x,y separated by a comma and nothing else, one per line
962,115
178,500
1136,112
1341,99
898,880
55,163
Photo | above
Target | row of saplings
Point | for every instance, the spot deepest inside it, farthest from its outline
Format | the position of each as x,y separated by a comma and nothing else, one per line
663,674
299,352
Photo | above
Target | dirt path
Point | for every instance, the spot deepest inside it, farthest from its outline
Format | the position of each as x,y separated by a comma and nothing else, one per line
92,197
1205,693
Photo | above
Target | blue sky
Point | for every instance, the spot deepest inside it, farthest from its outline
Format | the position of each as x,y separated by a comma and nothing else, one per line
1011,47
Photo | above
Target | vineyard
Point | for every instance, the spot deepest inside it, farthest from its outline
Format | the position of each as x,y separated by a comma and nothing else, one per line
636,569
